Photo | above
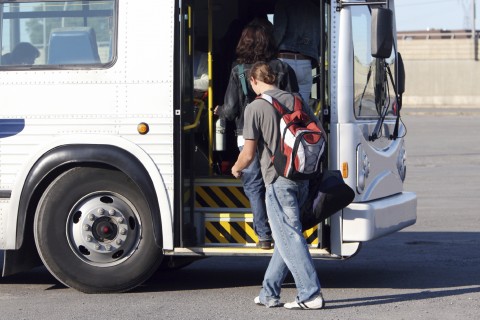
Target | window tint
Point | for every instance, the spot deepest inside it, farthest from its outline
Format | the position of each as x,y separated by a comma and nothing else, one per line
57,33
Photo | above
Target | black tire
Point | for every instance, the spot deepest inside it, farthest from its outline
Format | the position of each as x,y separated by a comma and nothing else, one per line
94,233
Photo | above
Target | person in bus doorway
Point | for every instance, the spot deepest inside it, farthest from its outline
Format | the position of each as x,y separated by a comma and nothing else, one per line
256,43
283,197
296,28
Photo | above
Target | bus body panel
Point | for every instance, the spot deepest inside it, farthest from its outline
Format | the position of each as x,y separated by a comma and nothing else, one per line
4,230
375,169
102,104
135,150
370,220
344,89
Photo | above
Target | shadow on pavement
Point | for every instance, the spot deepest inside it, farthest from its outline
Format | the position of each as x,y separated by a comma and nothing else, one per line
405,260
396,298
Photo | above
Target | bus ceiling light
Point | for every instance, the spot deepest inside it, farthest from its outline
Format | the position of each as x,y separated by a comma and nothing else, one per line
142,128
363,169
402,163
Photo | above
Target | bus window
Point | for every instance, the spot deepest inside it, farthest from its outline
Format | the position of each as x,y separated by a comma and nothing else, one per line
371,93
57,33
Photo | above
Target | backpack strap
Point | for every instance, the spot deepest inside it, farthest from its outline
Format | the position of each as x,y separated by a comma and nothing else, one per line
275,103
297,103
241,75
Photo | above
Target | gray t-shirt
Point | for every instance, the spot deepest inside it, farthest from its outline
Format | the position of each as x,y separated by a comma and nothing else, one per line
261,123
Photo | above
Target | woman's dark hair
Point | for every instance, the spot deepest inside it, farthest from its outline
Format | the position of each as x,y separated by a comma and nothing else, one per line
263,22
24,53
256,44
261,71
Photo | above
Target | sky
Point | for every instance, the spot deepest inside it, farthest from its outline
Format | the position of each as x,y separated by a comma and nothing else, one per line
413,15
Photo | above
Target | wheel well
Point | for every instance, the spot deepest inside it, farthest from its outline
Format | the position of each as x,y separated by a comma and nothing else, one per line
27,257
63,158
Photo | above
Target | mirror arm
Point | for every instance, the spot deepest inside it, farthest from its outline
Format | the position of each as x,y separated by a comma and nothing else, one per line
341,4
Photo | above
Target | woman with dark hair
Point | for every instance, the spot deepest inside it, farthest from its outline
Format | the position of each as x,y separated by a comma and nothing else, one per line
256,44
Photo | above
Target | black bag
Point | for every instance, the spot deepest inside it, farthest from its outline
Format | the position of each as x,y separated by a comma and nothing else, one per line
327,195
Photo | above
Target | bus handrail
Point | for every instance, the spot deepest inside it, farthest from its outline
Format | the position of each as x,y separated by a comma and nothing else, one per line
201,107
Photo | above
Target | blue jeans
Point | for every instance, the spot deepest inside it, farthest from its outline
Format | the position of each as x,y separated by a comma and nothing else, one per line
284,198
255,190
303,71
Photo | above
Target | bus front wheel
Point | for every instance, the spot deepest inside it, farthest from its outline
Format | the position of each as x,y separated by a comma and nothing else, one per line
94,232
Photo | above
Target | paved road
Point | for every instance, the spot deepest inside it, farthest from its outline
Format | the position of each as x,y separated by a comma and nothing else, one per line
429,271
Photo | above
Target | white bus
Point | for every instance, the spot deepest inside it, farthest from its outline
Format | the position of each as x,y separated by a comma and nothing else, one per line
108,166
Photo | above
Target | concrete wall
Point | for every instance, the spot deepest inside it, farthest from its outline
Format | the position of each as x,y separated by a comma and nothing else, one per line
440,72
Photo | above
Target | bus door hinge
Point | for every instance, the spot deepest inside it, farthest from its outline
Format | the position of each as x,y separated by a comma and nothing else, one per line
326,113
326,118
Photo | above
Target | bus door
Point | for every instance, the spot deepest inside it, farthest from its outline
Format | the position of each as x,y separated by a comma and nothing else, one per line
185,126
194,147
209,198
216,212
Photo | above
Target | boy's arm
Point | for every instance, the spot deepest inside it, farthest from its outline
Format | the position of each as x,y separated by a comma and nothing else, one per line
245,157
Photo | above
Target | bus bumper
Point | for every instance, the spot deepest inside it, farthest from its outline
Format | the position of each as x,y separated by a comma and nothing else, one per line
370,220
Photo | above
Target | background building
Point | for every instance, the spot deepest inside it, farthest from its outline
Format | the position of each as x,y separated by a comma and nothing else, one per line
442,67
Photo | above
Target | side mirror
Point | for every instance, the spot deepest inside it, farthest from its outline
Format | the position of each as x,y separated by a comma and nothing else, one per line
382,32
400,74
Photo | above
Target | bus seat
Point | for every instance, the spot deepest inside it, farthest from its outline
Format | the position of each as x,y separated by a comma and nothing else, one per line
73,45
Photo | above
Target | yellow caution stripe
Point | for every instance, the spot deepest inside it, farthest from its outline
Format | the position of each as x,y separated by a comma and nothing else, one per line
311,235
220,197
225,228
238,232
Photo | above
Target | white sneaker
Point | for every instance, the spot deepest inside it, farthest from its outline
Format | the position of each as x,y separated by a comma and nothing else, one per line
312,304
271,304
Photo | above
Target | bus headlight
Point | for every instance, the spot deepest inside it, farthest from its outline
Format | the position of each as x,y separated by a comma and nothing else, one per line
402,163
363,169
